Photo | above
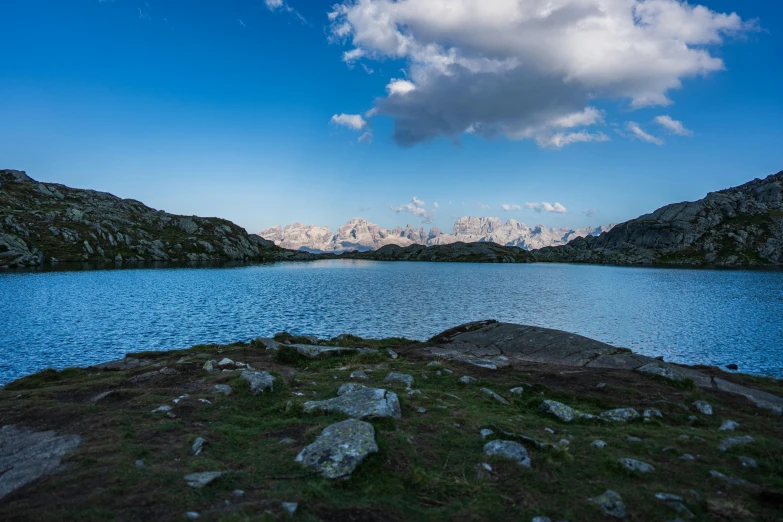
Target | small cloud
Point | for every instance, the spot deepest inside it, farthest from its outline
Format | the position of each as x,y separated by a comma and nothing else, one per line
415,207
435,205
143,15
366,137
368,70
546,207
400,87
352,55
673,126
241,22
352,121
589,212
639,133
561,139
274,5
510,208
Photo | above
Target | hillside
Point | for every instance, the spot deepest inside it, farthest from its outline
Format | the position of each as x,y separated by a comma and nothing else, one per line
740,226
455,252
46,223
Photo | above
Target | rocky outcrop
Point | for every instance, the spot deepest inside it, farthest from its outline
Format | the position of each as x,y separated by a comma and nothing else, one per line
361,235
740,226
456,252
46,222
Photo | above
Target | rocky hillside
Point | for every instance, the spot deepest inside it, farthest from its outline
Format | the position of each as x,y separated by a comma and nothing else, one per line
45,222
455,252
359,234
740,226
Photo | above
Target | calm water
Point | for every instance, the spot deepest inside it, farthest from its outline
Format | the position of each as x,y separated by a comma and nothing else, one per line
60,319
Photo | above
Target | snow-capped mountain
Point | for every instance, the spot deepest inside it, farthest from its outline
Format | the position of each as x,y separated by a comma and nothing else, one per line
360,234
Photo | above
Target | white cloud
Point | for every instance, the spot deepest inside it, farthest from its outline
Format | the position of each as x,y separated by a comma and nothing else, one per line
638,132
528,69
352,121
366,137
415,207
673,126
510,208
435,205
274,5
241,22
546,207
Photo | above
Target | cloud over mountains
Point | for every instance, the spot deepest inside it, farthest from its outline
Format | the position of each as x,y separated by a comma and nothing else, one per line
529,69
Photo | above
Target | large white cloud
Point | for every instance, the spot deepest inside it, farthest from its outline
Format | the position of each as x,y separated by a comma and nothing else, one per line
546,207
528,69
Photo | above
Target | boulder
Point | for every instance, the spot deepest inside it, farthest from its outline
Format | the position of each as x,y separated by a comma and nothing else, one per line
259,381
611,503
199,480
725,444
636,465
508,450
340,448
360,403
403,378
620,415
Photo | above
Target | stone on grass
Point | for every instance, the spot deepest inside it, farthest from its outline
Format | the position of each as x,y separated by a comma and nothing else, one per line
287,441
559,410
259,381
359,375
703,407
225,362
486,433
467,379
225,389
312,351
636,465
26,455
494,395
199,480
729,425
611,503
620,415
725,444
192,515
360,403
734,481
681,510
139,464
687,457
391,353
162,409
598,444
668,497
651,413
434,364
541,519
340,448
508,449
198,445
404,378
238,493
519,390
421,410
633,439
210,365
748,462
290,508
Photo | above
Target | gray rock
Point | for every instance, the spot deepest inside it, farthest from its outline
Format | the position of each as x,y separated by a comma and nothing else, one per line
349,387
668,497
611,503
312,351
259,381
192,515
729,425
681,509
421,410
519,390
404,378
559,410
494,395
209,365
198,445
391,353
204,478
360,403
620,415
703,407
434,364
734,481
661,370
162,409
598,444
725,444
748,462
238,493
340,448
486,433
652,413
26,455
467,379
359,375
687,457
636,465
287,441
139,464
225,389
290,508
509,450
541,519
633,439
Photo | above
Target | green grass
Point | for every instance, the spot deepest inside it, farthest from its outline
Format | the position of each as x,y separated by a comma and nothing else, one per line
426,468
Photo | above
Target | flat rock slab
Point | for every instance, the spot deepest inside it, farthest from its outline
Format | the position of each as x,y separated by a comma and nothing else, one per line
508,450
259,381
27,455
127,363
199,480
312,351
360,402
340,448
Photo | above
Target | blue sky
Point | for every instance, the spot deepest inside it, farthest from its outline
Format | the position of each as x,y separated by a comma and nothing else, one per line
225,108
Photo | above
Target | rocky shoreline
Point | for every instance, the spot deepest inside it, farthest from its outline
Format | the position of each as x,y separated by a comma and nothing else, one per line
487,420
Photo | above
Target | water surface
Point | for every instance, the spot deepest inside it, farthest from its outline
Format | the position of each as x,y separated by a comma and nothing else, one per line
60,319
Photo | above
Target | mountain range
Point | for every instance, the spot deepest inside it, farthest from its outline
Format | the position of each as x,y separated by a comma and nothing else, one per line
361,235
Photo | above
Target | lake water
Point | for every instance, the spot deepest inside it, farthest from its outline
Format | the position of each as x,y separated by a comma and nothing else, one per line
67,318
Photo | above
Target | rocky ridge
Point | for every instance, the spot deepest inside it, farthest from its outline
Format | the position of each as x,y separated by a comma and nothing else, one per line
361,235
48,222
740,226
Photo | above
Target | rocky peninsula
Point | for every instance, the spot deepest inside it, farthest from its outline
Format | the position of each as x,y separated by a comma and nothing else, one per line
486,421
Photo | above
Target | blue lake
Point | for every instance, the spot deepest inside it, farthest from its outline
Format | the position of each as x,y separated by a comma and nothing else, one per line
67,318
